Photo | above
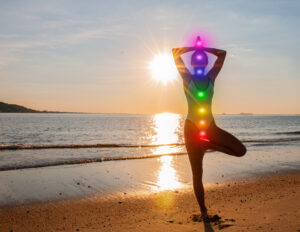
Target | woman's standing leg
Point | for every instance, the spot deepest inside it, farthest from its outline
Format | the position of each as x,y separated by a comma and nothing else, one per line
196,160
196,154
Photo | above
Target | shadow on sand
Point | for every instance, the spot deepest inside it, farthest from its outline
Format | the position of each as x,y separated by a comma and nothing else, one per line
207,227
213,221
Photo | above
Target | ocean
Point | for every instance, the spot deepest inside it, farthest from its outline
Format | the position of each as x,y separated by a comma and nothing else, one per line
39,140
47,157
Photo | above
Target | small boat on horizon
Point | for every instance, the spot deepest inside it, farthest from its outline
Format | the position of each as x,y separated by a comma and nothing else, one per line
246,113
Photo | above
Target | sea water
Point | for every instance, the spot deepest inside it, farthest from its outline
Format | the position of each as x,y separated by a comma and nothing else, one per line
36,140
59,156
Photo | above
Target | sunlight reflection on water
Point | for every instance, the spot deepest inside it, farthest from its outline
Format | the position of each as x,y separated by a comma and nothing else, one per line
166,126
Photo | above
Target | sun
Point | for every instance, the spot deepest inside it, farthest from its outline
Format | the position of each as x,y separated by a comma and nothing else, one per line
163,68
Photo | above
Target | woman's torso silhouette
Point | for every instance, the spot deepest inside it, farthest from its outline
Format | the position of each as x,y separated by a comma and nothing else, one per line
199,96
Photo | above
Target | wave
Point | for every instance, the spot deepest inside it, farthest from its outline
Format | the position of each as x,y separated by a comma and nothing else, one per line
76,146
85,161
275,140
253,142
62,146
288,133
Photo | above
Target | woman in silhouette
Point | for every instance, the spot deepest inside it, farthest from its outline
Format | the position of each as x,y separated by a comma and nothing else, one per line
200,131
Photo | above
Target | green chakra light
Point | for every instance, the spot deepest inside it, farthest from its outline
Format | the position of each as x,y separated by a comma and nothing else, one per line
201,94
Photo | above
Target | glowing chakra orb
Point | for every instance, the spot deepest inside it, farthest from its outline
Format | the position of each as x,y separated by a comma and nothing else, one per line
199,57
199,71
198,43
201,94
202,122
202,133
202,110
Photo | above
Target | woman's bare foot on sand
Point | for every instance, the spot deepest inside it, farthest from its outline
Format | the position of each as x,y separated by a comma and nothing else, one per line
204,215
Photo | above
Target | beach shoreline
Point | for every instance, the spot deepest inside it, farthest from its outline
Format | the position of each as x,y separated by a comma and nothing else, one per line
269,203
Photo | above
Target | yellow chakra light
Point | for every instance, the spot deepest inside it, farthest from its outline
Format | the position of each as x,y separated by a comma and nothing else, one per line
202,110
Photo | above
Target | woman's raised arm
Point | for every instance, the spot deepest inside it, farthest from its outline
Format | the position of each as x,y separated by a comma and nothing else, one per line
213,73
177,52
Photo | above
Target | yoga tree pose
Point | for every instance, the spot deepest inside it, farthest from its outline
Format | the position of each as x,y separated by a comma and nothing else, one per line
200,131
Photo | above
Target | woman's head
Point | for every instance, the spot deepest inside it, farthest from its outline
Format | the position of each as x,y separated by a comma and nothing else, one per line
199,59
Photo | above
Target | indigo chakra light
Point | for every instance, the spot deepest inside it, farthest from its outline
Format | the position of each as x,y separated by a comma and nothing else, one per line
199,71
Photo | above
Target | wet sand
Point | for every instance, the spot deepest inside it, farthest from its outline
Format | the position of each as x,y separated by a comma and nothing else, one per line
268,203
103,179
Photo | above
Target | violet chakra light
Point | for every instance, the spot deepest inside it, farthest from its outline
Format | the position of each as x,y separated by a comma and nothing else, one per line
199,59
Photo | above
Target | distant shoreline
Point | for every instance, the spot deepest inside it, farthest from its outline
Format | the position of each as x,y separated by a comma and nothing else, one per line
60,112
14,108
46,112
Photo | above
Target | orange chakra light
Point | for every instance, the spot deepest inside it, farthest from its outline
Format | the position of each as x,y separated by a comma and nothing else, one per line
202,122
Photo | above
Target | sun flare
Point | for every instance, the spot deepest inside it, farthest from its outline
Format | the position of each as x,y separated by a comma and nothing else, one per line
163,68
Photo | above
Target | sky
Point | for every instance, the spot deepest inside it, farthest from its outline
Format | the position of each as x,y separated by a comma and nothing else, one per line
93,56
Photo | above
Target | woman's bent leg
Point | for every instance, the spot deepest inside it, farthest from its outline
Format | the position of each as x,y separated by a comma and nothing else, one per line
225,142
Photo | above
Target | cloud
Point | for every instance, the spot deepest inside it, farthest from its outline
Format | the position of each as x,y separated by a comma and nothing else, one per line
9,36
236,50
62,24
93,33
5,60
12,44
15,41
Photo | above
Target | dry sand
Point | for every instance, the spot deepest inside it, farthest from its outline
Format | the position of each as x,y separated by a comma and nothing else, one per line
262,204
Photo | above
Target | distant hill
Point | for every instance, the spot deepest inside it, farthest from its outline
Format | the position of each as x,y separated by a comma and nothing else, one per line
12,108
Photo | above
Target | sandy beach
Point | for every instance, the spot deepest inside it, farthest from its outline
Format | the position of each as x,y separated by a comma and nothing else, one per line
269,203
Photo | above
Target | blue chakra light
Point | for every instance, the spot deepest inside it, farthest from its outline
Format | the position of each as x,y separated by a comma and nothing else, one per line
199,72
